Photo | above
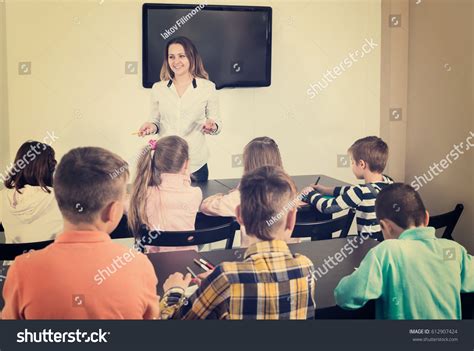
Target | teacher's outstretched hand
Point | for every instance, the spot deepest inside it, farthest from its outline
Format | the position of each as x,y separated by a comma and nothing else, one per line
185,103
210,127
148,128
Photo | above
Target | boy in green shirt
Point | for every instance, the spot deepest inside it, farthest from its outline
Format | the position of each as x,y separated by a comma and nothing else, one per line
412,274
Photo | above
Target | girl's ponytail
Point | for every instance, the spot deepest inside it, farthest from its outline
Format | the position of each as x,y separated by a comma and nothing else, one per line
147,175
167,155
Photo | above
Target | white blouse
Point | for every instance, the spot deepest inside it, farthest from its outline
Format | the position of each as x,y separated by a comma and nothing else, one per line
184,116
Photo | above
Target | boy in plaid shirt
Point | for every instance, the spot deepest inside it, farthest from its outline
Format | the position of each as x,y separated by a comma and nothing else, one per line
270,282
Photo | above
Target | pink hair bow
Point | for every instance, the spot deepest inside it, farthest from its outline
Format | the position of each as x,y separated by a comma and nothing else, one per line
152,144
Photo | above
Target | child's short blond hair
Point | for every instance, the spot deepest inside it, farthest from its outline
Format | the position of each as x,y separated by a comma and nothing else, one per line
373,150
86,180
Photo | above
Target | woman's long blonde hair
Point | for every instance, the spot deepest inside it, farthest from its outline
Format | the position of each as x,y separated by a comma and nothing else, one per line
196,66
259,152
169,156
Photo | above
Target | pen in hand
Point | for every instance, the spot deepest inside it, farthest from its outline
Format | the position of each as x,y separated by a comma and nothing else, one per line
195,277
317,181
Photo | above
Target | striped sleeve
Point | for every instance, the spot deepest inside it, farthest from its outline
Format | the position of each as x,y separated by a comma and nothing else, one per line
340,190
349,199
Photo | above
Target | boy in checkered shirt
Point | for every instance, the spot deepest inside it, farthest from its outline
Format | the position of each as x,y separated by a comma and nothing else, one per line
271,282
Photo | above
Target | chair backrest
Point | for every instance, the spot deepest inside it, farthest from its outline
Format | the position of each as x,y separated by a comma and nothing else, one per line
204,221
323,230
448,220
213,230
8,252
122,231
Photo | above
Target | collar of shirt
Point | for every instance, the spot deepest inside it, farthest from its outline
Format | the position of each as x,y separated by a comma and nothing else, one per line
386,179
173,180
82,237
262,247
194,83
419,233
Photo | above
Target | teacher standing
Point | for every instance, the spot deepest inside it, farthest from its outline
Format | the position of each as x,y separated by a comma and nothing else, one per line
185,103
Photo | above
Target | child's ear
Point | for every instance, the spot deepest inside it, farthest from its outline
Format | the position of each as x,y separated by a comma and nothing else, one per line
112,213
238,215
362,164
427,218
291,220
386,229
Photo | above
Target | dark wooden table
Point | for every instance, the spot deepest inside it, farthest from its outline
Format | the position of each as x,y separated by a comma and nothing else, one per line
215,186
301,181
167,263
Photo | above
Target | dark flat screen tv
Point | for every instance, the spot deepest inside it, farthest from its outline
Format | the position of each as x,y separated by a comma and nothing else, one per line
235,42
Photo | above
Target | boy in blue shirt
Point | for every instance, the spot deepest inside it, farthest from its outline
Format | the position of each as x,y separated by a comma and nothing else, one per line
412,274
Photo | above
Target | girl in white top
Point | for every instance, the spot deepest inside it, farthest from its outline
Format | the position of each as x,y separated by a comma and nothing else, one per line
185,103
30,212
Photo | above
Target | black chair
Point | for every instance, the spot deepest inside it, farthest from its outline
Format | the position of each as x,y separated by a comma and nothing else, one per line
208,230
448,220
122,231
202,221
8,252
323,230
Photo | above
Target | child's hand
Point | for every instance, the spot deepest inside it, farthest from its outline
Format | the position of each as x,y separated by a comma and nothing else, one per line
176,280
307,190
209,127
201,277
300,203
305,200
325,190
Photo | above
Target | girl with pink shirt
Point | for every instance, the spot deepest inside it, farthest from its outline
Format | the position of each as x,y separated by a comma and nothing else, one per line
162,196
261,151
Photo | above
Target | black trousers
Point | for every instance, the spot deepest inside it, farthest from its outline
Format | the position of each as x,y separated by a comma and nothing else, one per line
201,175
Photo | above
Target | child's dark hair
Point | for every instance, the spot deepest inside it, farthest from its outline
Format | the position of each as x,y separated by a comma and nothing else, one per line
373,150
265,192
86,180
34,165
401,204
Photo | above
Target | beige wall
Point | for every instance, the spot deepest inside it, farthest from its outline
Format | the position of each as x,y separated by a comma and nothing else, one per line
4,139
440,105
79,91
394,84
78,88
